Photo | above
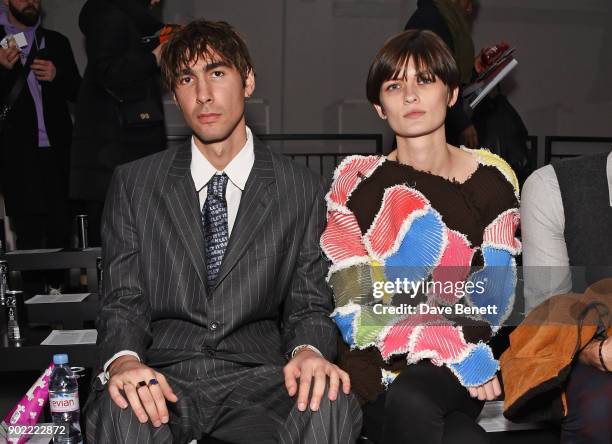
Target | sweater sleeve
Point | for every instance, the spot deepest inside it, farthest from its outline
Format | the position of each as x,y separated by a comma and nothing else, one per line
492,296
494,285
352,270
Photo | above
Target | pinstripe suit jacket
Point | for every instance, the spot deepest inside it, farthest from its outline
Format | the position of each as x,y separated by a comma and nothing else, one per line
270,295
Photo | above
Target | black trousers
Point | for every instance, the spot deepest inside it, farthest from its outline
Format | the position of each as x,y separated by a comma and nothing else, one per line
425,404
589,399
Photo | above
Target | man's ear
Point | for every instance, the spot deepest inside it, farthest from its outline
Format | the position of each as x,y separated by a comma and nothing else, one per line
249,84
380,111
175,101
452,96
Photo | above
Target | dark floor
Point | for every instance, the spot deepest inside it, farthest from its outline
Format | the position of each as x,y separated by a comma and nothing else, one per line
550,436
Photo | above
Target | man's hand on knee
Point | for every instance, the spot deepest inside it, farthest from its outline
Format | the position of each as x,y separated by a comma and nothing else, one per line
312,370
145,389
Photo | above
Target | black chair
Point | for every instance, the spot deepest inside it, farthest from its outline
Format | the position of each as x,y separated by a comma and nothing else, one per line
81,263
32,260
558,147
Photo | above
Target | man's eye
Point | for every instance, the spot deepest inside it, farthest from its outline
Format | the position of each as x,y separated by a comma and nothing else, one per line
218,73
184,80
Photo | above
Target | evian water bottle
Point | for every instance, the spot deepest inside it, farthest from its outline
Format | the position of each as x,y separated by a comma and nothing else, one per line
64,402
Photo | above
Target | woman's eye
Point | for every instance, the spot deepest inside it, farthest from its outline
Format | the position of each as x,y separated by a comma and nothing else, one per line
392,86
424,80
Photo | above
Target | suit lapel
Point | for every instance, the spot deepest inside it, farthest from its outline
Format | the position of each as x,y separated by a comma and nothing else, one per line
182,202
255,204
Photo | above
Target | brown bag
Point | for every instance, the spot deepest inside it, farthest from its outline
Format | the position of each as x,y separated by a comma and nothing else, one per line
543,348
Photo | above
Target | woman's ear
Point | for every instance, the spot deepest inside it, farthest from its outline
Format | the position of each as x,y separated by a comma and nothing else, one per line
380,111
452,96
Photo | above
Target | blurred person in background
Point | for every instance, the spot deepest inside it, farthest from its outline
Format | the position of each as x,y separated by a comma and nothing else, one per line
38,77
119,116
451,21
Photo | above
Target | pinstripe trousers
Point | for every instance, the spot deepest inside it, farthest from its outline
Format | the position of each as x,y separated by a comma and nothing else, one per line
227,401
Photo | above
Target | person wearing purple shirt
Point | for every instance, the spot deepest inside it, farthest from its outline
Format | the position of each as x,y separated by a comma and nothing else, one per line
36,134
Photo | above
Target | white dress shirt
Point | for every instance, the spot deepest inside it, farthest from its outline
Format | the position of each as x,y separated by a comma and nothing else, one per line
545,258
237,171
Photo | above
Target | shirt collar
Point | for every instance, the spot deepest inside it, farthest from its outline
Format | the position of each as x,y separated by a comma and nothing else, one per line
237,170
609,174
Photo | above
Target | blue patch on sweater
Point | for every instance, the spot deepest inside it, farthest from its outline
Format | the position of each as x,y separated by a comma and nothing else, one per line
499,283
419,251
478,367
345,325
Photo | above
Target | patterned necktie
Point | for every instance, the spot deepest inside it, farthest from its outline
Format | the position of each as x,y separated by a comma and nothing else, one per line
214,220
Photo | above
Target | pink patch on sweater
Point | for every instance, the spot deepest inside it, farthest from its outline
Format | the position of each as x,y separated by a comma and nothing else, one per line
397,338
350,175
400,204
454,266
342,237
446,341
501,231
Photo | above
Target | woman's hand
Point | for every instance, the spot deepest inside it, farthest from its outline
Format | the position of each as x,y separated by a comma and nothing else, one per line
489,391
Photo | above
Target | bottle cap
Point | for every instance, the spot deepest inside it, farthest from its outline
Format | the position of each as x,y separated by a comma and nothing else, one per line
60,359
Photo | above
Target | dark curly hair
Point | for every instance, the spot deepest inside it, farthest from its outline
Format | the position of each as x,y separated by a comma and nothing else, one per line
202,38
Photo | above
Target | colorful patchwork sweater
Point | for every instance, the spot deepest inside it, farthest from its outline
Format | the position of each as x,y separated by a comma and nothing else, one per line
389,225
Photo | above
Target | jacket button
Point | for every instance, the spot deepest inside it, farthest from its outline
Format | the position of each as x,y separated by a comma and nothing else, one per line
213,326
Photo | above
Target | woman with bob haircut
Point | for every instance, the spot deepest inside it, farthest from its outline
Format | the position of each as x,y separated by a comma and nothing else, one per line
422,244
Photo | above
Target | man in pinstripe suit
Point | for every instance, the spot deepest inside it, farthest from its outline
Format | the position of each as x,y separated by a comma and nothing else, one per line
214,317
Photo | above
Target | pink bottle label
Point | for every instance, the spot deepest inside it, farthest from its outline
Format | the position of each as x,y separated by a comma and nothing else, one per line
63,402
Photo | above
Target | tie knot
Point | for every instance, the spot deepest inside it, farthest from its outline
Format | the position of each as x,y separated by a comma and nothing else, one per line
217,185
